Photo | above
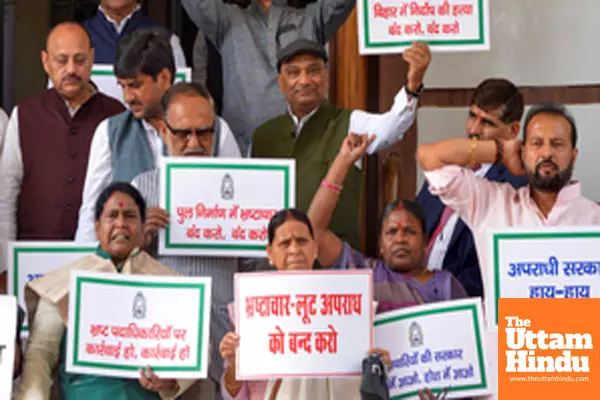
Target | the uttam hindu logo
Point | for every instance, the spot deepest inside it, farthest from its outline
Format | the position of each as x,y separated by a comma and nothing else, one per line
527,349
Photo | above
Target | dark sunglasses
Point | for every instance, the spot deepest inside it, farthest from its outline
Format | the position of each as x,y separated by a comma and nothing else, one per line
185,134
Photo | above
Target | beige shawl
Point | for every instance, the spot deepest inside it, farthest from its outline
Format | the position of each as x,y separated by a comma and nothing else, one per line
53,290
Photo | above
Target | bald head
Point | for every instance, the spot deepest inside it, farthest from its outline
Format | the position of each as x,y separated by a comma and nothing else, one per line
68,59
71,30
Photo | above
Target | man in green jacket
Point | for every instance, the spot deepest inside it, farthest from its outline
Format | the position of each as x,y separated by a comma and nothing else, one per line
312,130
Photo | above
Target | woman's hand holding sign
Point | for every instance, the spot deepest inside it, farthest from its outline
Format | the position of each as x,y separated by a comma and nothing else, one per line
228,348
149,381
156,218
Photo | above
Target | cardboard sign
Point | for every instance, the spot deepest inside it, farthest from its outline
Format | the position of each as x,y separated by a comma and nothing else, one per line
435,346
106,81
543,263
120,323
388,26
302,323
30,260
221,207
8,327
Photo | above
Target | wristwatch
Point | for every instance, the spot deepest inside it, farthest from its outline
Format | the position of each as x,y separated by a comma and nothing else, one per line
417,93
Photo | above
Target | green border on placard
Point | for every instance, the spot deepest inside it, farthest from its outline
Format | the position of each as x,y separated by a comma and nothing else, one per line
109,282
446,310
369,44
497,237
15,266
101,72
169,169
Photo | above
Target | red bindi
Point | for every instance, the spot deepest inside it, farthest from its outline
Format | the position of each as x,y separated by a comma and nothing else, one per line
121,204
400,207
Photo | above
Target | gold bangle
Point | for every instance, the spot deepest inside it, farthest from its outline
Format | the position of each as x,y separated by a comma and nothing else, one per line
472,146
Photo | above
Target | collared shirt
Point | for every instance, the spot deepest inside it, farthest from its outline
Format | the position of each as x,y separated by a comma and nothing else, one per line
99,172
178,54
442,242
12,173
3,124
248,40
485,205
299,123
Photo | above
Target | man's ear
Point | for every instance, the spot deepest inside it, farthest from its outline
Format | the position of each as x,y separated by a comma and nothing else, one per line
515,128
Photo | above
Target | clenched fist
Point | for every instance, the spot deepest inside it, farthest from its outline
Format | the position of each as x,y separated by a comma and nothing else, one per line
418,57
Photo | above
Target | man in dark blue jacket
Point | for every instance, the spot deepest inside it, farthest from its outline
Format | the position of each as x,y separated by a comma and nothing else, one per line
495,112
117,18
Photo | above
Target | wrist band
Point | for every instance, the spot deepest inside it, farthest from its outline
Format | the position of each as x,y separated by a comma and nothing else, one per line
417,93
499,151
472,146
331,186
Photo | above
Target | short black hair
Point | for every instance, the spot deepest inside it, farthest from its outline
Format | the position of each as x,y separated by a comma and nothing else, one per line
77,24
285,215
121,187
145,51
554,109
184,88
410,206
494,93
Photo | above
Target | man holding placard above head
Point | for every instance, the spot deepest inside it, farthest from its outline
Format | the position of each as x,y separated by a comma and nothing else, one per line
190,130
546,156
291,247
119,216
312,130
401,278
129,143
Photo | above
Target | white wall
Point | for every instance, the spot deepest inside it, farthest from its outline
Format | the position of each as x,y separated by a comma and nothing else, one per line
533,43
444,123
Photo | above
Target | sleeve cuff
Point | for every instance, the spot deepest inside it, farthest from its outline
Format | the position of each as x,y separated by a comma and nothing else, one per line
401,101
441,179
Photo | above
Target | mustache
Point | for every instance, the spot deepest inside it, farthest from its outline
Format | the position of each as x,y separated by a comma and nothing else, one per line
546,162
135,103
194,152
73,76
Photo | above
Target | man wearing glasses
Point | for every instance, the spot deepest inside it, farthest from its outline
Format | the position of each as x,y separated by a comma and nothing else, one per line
190,129
129,143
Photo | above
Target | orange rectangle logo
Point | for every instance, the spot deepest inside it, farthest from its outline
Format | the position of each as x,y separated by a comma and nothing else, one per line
548,348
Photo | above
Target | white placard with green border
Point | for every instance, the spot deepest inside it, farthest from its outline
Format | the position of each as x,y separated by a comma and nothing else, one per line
106,82
389,26
104,77
121,323
435,345
221,207
30,260
8,327
542,263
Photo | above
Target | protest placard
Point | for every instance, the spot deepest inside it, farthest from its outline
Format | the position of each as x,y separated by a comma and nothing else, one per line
302,323
542,263
390,26
8,326
30,260
435,346
120,323
221,207
105,80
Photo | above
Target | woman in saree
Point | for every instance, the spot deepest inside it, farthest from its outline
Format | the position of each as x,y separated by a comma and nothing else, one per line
291,246
400,275
120,213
